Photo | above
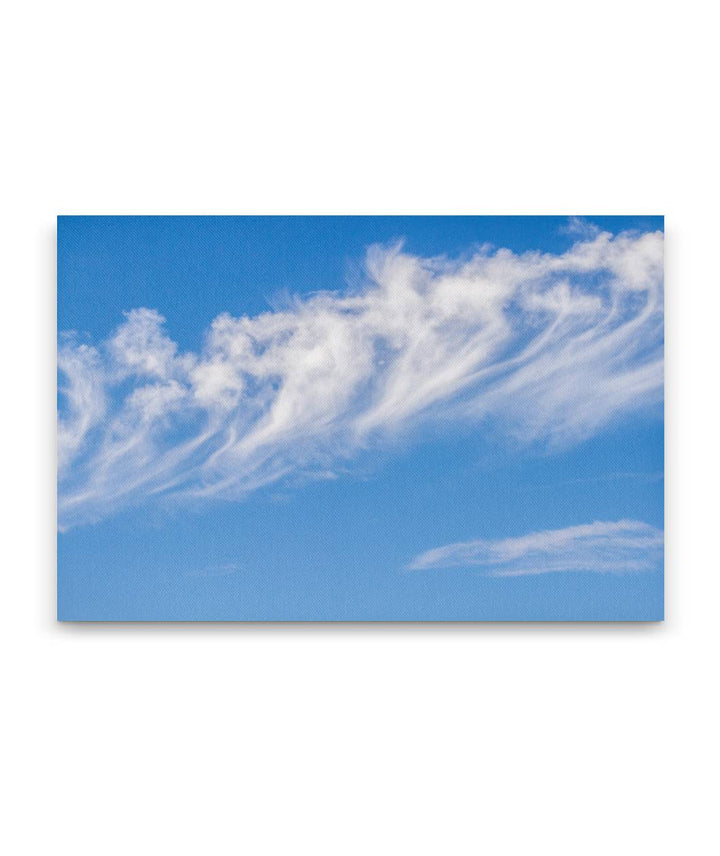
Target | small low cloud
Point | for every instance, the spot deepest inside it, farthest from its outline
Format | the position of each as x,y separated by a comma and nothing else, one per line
624,546
219,570
580,227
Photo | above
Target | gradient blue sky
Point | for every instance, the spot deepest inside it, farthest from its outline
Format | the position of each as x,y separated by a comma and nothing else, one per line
339,549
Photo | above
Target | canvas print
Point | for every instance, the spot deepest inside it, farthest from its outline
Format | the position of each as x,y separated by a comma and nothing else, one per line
360,418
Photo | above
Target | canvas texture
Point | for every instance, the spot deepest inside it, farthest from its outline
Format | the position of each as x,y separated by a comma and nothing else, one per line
360,418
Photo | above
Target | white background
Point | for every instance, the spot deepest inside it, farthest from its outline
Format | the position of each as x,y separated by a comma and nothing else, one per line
359,739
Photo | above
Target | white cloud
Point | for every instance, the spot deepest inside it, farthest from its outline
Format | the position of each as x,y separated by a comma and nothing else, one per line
84,396
626,546
537,346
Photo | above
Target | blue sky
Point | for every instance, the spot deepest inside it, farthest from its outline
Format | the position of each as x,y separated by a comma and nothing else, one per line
465,425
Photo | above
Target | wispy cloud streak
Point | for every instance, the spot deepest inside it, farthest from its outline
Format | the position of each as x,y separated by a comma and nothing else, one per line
538,346
626,546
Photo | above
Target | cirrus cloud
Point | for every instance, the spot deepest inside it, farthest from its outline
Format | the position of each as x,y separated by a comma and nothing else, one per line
538,346
625,546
